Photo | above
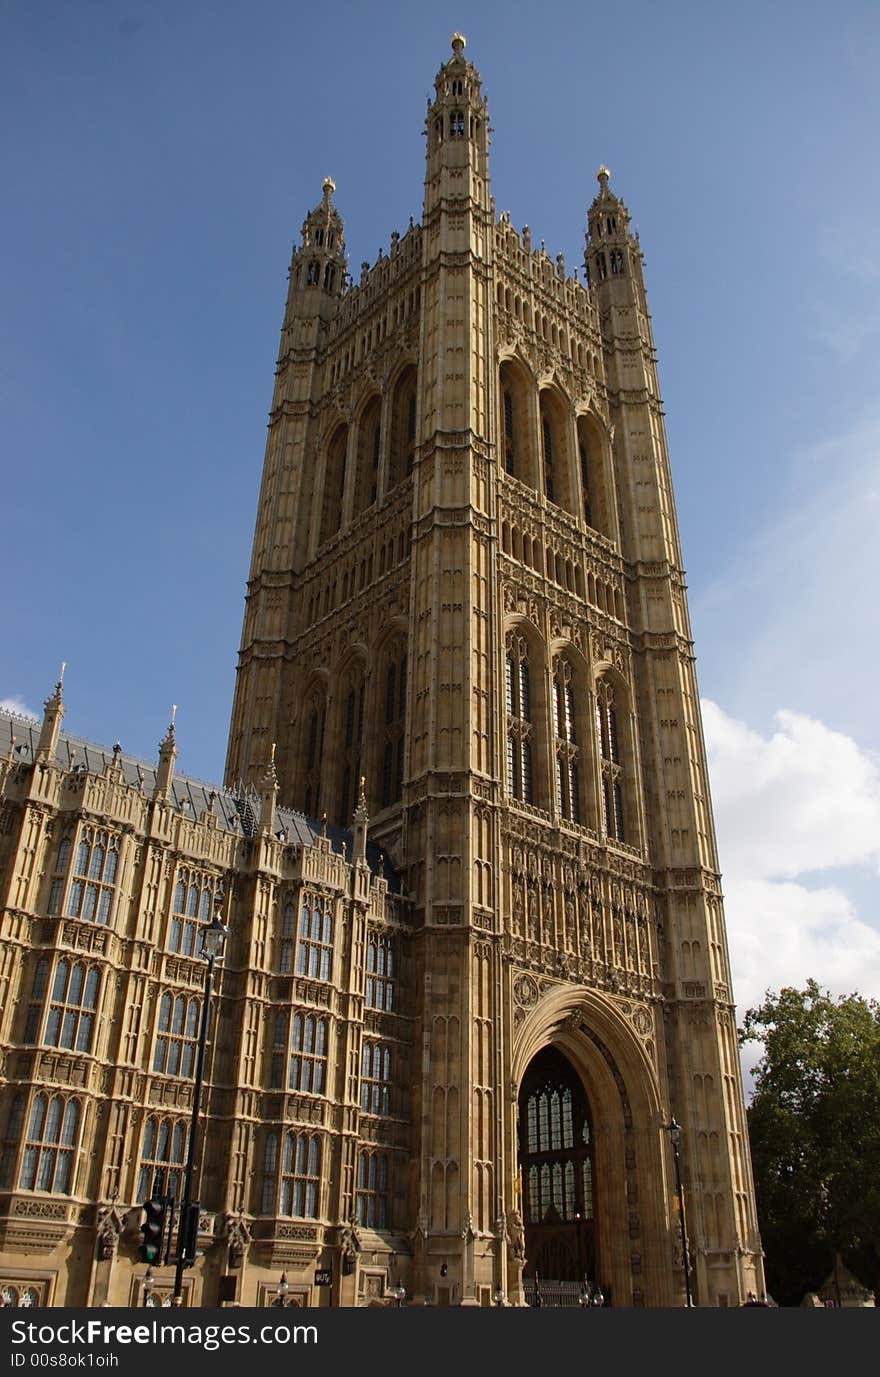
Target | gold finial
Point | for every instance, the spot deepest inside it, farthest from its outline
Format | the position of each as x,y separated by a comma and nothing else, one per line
272,754
61,673
602,176
459,43
328,186
173,713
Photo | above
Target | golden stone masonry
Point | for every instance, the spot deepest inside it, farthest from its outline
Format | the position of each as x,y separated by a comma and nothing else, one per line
477,956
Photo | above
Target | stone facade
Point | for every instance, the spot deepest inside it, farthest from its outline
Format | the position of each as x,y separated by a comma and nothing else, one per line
466,623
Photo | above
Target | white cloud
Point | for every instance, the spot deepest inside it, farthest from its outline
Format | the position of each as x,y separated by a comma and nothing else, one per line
801,801
17,705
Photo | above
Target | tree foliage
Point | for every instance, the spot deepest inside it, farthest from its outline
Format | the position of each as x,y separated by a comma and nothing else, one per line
814,1127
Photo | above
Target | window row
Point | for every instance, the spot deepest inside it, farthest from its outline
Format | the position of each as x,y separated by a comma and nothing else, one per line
545,445
556,760
365,737
310,938
369,456
50,1142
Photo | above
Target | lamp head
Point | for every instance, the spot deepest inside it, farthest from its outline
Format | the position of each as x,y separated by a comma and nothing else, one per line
215,934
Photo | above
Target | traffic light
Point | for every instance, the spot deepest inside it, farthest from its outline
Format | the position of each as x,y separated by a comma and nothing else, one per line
153,1229
190,1231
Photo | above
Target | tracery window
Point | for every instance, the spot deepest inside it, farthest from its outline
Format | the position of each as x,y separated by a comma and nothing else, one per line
287,935
403,426
192,905
301,1175
72,1006
456,124
393,728
94,874
50,1145
352,735
567,753
559,1171
381,971
59,876
369,443
308,1055
376,1078
314,753
34,1015
12,1140
314,951
163,1157
372,1190
519,723
608,744
508,431
334,483
175,1049
18,1296
547,435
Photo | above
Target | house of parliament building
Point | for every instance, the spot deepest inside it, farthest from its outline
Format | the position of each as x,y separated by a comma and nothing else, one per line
477,960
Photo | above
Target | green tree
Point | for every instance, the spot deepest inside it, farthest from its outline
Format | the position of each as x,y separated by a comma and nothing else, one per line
814,1126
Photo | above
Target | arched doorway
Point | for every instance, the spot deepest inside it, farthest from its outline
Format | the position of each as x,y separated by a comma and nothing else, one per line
556,1170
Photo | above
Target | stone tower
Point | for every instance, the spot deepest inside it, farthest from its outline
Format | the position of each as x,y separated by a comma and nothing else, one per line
467,588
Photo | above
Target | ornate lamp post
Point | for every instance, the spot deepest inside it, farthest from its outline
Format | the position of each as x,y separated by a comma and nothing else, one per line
283,1288
500,1297
212,948
674,1131
399,1292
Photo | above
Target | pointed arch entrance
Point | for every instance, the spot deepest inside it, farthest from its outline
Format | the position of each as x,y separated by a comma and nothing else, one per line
557,1171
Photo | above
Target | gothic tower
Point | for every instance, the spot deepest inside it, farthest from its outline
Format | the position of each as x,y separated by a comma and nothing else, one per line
466,588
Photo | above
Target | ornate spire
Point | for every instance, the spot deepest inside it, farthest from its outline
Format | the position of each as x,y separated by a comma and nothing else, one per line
269,793
167,757
608,238
457,127
320,262
360,820
51,725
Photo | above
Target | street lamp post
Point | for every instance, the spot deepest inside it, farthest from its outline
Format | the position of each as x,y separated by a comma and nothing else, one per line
500,1297
213,945
674,1131
282,1288
398,1292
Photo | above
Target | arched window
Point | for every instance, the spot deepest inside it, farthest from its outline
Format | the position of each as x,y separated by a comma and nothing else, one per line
59,875
369,441
94,876
314,950
456,124
519,719
352,729
163,1157
381,972
567,753
34,1019
372,1190
313,753
278,1049
12,1141
191,908
301,1175
403,427
287,935
556,1165
376,1078
334,483
50,1145
594,496
394,720
608,747
72,1006
175,1050
308,1056
515,451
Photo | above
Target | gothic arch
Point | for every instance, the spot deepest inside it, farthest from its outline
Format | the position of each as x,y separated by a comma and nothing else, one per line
403,418
595,476
368,450
527,766
335,452
633,1229
617,756
555,427
516,401
387,708
312,730
350,689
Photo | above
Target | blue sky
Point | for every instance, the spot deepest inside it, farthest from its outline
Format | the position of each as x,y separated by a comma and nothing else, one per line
157,161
